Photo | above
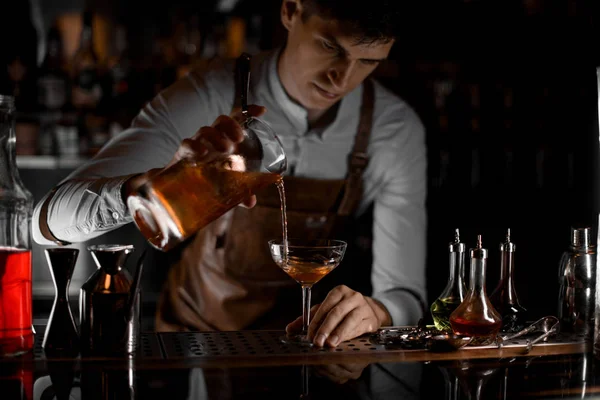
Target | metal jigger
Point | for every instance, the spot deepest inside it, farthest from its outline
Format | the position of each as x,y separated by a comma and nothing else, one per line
61,332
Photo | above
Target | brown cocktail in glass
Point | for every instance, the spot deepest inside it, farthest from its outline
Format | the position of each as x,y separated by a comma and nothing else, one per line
307,262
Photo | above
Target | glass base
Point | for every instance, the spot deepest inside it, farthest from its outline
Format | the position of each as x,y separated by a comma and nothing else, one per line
299,340
16,346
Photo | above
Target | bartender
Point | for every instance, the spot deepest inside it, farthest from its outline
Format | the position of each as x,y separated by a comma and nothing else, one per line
352,146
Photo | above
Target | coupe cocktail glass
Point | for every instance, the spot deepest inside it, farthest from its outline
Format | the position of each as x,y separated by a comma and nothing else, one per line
306,261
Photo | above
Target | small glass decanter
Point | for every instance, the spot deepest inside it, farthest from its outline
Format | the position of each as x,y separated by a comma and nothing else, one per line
504,297
454,292
475,316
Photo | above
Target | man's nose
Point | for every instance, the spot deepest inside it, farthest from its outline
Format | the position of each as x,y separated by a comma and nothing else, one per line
339,74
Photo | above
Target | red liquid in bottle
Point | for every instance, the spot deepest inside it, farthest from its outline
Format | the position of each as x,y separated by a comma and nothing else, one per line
16,334
475,328
475,316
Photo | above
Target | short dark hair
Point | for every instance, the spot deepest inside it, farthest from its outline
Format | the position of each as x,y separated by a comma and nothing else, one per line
369,21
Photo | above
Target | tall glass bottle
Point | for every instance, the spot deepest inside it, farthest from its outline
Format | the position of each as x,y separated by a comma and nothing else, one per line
53,79
475,316
16,207
121,104
85,68
455,290
504,296
87,92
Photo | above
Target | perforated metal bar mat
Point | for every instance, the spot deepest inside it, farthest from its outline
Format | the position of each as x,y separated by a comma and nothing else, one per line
248,343
149,345
268,343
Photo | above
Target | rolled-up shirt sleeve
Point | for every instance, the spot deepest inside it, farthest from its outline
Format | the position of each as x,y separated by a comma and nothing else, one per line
83,209
400,219
88,202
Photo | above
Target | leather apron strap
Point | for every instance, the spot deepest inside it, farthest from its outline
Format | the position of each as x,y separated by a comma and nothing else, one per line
358,159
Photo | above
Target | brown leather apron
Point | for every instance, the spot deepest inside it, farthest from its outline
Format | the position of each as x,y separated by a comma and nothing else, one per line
224,277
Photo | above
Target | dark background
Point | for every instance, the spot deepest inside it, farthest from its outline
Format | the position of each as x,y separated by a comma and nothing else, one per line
507,91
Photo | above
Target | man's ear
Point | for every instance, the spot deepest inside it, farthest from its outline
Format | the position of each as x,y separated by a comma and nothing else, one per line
290,11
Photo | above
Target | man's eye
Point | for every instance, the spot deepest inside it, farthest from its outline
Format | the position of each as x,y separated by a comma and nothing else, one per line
328,46
370,62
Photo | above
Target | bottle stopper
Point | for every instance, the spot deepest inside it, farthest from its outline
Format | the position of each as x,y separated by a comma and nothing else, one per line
507,245
457,246
479,251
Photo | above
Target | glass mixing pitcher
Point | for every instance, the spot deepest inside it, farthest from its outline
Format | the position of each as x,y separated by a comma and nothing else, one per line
182,199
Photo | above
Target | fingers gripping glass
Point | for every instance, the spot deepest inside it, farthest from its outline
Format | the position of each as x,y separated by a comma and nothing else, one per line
307,262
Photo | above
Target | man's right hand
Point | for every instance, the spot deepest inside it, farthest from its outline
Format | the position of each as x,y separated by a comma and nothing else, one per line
208,144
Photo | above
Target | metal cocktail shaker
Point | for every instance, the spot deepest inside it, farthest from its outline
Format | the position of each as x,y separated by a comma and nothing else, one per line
577,284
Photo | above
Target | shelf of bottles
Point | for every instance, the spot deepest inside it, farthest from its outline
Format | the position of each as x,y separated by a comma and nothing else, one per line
92,81
500,120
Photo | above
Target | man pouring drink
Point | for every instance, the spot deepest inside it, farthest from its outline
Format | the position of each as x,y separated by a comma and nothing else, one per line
351,146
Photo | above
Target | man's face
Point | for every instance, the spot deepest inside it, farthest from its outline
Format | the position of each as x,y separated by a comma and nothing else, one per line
321,62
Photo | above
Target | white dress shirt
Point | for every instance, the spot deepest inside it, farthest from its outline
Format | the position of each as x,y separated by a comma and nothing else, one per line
395,178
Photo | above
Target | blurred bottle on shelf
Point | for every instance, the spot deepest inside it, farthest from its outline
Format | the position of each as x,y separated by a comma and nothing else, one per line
119,64
88,94
53,87
53,78
187,42
164,59
118,99
66,136
85,68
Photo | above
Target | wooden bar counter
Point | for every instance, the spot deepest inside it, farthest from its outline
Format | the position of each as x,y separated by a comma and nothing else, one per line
257,365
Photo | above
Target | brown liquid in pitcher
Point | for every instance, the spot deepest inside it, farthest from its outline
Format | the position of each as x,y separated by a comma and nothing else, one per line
178,204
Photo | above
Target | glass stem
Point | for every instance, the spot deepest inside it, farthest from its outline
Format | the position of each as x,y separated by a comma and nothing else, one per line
305,309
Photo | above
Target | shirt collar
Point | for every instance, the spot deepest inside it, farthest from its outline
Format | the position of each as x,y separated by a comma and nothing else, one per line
297,114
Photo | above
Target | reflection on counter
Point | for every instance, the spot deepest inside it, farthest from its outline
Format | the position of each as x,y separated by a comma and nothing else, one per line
550,377
381,381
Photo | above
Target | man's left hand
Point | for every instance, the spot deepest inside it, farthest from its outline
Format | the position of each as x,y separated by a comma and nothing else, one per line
344,315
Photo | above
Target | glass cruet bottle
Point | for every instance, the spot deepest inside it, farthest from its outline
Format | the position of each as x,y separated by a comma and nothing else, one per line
454,292
16,207
475,316
504,297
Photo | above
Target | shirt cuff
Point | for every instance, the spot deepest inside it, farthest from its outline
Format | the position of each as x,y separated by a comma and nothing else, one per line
113,209
36,232
404,308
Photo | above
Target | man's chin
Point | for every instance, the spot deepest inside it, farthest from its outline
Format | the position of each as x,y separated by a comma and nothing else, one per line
319,103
